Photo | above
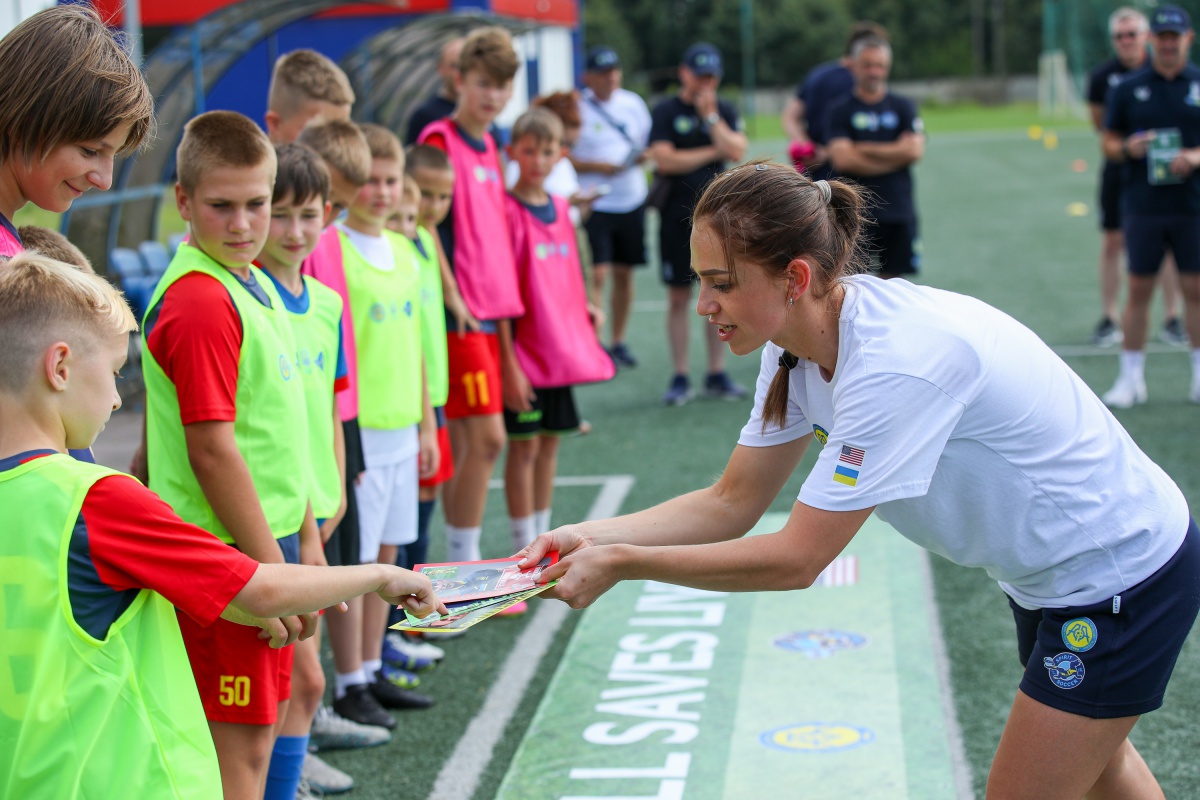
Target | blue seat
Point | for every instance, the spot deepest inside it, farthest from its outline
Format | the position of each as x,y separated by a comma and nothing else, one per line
130,271
155,256
173,242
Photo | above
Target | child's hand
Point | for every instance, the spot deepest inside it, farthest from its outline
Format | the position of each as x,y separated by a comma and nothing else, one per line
596,315
464,319
283,631
430,456
518,394
412,591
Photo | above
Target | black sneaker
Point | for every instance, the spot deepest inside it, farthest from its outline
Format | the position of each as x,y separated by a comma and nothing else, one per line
720,386
679,392
1173,333
391,696
620,354
1107,334
359,705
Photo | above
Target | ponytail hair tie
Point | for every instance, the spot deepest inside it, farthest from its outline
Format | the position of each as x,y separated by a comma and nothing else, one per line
787,360
826,192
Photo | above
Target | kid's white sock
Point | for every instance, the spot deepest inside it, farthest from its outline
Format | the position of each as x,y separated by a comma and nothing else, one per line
370,667
522,531
1196,364
541,521
462,544
1133,364
341,681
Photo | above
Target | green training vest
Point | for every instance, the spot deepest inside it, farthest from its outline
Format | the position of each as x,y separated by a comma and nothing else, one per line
81,717
271,427
433,322
317,332
387,331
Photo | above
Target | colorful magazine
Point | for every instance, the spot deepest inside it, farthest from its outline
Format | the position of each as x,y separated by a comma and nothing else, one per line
475,580
470,614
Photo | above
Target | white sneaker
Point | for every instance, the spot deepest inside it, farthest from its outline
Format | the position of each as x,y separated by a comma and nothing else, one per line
321,779
332,731
307,792
1125,393
415,647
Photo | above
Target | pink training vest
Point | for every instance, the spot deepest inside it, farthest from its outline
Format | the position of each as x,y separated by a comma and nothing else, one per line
555,342
483,260
9,245
325,265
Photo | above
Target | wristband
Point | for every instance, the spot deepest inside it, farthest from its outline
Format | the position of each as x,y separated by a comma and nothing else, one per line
712,119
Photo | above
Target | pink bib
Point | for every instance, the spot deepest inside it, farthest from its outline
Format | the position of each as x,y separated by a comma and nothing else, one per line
9,244
325,265
483,260
555,342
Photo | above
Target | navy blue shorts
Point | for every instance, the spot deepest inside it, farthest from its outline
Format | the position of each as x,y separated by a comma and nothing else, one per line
1114,658
617,238
1147,238
1110,197
891,247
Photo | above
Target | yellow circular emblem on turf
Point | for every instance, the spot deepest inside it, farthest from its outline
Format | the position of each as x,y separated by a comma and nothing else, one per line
816,737
1079,634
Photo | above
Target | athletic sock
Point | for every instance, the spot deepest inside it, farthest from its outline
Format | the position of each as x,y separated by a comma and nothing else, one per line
522,531
341,681
1196,364
370,667
541,521
462,544
1133,365
287,763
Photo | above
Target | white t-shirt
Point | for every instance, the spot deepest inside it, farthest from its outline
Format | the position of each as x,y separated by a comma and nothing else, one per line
977,442
599,140
561,182
377,250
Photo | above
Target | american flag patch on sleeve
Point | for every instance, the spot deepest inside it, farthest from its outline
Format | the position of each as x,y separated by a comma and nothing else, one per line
852,455
842,473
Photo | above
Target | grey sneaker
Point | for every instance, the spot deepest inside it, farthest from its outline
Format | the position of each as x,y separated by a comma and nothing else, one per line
679,392
322,778
1173,333
306,791
1107,334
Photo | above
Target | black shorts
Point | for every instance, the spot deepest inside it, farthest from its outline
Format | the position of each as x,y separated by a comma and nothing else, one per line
1110,197
618,238
342,549
1147,238
1114,658
675,247
891,247
553,414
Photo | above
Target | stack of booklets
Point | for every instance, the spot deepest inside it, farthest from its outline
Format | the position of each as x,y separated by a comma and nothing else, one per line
476,590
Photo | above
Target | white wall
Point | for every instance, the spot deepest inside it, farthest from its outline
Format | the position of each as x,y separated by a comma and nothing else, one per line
13,11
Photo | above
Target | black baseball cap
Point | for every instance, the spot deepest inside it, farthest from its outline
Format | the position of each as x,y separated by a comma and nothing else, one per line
1170,19
602,58
703,58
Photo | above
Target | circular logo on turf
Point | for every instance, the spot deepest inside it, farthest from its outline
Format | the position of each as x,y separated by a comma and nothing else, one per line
820,644
1079,634
285,368
821,434
1066,670
816,737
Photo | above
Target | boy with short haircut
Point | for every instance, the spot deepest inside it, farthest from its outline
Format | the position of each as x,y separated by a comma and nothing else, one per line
216,335
53,244
553,345
475,240
305,86
398,429
103,693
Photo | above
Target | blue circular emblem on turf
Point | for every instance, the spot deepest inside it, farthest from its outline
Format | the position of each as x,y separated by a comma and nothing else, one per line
1066,670
1079,634
819,644
816,737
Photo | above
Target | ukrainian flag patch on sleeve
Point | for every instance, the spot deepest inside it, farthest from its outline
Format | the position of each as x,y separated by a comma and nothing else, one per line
845,475
849,463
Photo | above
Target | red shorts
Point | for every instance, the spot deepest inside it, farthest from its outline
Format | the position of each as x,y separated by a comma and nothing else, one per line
445,461
474,375
241,679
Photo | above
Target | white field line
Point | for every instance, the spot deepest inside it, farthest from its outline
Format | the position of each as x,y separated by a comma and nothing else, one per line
460,774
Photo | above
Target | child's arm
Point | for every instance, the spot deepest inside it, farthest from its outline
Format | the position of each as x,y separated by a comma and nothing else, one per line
339,453
225,480
430,457
517,391
312,551
451,296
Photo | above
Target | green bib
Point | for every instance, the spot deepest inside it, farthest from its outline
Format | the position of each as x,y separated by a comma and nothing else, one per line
317,332
387,332
433,322
271,427
82,717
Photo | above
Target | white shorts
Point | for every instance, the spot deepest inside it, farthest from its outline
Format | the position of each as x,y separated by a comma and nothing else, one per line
387,507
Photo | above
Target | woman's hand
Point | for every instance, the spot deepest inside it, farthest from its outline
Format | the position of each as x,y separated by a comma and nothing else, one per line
585,574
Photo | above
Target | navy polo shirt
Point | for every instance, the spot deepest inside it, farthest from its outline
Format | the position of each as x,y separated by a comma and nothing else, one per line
853,119
1143,101
678,122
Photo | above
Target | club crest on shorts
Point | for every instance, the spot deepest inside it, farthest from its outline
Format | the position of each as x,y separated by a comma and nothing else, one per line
1066,670
1079,634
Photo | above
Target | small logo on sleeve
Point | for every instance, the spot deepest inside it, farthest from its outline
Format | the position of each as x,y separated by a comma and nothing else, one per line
849,463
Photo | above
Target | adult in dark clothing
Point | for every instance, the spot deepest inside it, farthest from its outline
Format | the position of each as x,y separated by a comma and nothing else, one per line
440,104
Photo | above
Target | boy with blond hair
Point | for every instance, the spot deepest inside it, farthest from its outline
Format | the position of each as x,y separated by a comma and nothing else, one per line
103,692
305,86
475,239
216,335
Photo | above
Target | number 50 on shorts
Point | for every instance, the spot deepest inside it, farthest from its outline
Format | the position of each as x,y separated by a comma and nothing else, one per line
234,690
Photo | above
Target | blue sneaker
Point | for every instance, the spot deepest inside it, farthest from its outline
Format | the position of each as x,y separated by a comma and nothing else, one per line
722,387
400,678
679,392
396,654
620,354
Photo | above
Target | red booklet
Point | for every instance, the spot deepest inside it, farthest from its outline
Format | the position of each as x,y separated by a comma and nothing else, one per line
474,580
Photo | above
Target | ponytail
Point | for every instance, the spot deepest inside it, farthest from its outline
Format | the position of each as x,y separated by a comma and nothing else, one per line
775,406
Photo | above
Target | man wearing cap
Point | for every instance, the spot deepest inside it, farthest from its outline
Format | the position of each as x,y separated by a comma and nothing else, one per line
441,103
608,155
692,137
1152,127
874,138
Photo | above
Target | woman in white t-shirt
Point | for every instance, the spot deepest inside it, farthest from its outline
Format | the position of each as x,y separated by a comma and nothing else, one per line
960,428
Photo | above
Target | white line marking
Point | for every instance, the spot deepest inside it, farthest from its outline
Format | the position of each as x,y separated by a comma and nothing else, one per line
460,774
958,755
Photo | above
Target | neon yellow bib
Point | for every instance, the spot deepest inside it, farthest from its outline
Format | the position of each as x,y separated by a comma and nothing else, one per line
271,427
433,321
387,330
79,716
